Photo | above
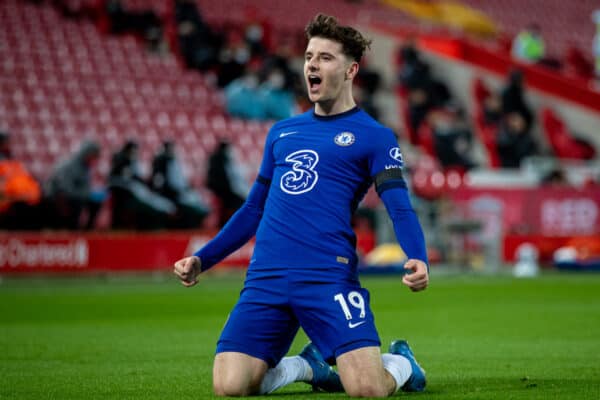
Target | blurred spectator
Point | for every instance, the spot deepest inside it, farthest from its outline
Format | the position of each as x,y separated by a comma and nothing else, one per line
514,142
423,91
555,177
69,201
145,23
596,43
277,100
280,61
414,72
452,139
257,33
198,44
513,99
20,193
246,98
528,46
415,79
233,59
241,98
225,181
75,8
367,83
492,109
134,204
168,179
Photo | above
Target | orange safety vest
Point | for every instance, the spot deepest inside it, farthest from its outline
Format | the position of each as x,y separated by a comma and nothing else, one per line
16,184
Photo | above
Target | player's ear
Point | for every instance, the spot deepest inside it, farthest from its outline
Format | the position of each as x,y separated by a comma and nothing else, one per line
352,70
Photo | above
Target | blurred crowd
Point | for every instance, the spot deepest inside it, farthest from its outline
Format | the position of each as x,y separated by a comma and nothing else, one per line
261,78
438,123
261,75
71,199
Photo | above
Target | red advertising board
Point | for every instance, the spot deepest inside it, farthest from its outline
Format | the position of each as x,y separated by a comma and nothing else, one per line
95,252
545,217
70,252
545,211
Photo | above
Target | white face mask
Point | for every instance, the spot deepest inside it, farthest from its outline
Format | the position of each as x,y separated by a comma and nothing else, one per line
251,81
276,80
254,33
241,55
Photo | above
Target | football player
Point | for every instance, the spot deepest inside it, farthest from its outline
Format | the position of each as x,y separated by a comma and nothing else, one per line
316,168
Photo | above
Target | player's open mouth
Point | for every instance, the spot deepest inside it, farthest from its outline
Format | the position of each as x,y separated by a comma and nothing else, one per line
314,82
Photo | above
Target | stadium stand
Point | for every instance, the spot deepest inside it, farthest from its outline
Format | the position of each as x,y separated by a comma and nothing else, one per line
115,89
561,30
62,80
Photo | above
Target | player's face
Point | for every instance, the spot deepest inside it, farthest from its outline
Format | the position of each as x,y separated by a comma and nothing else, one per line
327,70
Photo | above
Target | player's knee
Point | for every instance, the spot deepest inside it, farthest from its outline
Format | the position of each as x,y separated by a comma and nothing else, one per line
237,375
231,384
367,391
365,388
227,386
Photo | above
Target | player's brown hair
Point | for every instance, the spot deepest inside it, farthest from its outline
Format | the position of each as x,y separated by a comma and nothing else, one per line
353,42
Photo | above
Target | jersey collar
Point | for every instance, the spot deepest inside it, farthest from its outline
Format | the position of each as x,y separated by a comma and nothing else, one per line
351,111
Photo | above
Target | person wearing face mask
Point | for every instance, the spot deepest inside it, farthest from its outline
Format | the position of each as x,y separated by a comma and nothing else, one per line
68,193
169,180
278,102
134,204
452,138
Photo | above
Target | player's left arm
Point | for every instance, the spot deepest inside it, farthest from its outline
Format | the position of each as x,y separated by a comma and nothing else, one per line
386,167
410,236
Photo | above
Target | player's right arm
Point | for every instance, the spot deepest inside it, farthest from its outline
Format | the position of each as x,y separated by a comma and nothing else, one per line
240,228
187,270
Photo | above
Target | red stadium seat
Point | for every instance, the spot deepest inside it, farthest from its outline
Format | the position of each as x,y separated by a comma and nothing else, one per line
564,144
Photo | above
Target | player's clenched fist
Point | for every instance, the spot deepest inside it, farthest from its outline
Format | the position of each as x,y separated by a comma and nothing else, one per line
187,269
417,276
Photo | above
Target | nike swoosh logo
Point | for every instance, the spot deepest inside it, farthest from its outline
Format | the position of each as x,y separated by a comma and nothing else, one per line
284,134
352,326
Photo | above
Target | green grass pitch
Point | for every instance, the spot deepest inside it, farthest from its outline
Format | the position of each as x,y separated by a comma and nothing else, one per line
142,338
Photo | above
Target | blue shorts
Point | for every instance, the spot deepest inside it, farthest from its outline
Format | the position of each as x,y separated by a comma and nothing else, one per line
336,316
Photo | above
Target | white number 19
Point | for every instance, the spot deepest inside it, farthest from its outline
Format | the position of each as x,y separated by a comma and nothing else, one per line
355,299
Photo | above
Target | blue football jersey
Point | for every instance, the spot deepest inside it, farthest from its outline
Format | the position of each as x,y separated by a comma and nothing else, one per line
319,169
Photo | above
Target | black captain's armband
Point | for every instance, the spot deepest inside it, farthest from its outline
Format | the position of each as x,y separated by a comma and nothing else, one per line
263,180
388,179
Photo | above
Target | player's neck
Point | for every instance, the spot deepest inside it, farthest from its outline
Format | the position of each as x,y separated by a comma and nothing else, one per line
335,106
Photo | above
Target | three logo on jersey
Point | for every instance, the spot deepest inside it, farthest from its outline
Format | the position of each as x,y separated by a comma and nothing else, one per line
303,177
